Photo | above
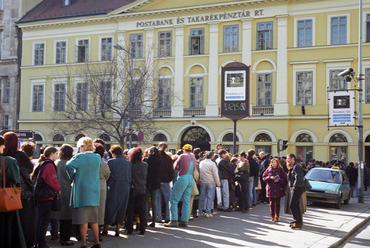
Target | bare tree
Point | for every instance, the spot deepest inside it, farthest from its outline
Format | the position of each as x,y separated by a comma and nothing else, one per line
116,97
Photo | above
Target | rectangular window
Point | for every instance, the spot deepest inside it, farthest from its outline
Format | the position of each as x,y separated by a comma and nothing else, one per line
136,46
196,92
304,33
37,98
338,30
304,88
336,82
264,35
264,89
368,28
106,49
367,85
82,51
6,122
105,98
165,43
304,153
39,52
6,95
164,93
61,52
59,97
82,96
231,38
196,41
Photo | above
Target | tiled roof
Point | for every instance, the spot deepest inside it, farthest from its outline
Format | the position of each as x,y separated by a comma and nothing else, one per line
54,9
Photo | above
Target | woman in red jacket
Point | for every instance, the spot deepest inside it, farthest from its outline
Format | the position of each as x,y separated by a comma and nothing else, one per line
276,179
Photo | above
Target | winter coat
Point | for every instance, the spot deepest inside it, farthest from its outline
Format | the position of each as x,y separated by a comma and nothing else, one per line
254,168
153,179
104,174
275,189
166,168
352,174
224,169
296,176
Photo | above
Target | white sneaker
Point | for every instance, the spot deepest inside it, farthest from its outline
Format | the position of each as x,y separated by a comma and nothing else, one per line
209,215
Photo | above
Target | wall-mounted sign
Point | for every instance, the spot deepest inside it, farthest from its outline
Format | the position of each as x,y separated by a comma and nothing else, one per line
235,91
342,108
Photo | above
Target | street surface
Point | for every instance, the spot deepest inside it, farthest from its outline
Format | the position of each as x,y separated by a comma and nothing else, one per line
360,239
323,226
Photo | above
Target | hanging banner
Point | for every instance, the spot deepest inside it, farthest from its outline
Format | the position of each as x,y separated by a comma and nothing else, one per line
342,108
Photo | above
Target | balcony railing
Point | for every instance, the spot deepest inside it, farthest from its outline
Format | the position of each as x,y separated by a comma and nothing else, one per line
162,113
268,110
194,112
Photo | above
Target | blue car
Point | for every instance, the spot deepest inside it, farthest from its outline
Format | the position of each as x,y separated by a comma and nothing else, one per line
328,186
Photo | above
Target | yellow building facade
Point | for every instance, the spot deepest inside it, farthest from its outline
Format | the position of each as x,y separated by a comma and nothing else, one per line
295,50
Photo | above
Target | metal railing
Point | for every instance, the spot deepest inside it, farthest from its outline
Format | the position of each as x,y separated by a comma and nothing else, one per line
195,112
268,110
162,113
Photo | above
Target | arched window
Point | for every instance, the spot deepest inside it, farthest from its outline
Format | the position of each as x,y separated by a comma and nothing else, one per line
38,137
338,138
198,137
263,137
367,138
58,137
79,136
229,138
160,137
304,137
105,137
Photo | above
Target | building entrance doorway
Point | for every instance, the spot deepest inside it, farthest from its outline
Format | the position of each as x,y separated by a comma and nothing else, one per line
197,137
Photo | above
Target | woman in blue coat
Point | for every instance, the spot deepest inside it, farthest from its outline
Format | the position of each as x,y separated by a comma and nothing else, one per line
118,191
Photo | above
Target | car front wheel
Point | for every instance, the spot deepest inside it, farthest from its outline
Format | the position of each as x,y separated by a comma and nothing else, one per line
338,204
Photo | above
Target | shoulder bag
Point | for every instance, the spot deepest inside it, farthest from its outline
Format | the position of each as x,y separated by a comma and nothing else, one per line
10,198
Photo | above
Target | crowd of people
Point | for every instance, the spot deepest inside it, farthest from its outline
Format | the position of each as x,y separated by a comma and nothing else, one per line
127,188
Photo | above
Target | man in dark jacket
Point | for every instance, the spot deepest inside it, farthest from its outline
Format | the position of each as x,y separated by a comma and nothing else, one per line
167,176
253,176
265,163
296,184
225,172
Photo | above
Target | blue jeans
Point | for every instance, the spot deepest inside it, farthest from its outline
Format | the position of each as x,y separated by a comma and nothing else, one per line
207,196
152,193
225,194
164,191
181,188
252,192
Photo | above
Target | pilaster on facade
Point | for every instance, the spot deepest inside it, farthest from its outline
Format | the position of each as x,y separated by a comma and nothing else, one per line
281,106
149,34
212,105
247,41
121,55
177,109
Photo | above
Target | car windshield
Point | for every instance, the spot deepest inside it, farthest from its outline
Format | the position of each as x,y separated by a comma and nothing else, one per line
324,176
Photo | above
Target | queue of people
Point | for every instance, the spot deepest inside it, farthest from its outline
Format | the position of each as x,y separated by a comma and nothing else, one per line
133,187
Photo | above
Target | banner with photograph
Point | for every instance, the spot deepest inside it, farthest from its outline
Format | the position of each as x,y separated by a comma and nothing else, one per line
342,108
235,83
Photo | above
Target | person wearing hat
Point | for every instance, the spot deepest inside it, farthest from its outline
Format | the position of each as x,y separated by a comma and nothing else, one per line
185,165
209,179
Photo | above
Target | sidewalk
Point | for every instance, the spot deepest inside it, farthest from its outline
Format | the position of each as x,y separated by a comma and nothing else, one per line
324,226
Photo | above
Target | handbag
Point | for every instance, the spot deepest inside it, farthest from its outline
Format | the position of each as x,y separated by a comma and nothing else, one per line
10,198
56,205
307,185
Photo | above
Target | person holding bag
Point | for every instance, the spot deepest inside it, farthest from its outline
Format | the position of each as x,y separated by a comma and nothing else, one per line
46,189
11,233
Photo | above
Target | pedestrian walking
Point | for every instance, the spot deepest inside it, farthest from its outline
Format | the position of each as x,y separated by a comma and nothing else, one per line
225,172
265,163
276,180
253,177
242,177
352,174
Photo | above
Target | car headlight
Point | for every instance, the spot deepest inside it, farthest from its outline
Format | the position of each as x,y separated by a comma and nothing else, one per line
331,191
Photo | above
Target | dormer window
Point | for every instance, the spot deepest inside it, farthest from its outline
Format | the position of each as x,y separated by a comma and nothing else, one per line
66,3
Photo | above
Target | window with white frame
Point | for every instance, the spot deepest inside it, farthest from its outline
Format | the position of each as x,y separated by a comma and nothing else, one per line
304,83
367,85
6,93
368,28
82,51
39,53
38,98
337,82
61,52
136,92
82,90
264,35
338,30
196,92
136,46
264,89
164,93
196,41
231,38
105,95
59,97
106,49
304,33
165,43
6,122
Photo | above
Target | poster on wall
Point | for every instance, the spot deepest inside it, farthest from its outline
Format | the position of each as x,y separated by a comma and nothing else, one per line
235,83
342,108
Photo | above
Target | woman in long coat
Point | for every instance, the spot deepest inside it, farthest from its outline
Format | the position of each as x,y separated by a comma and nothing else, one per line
65,214
118,192
11,234
276,180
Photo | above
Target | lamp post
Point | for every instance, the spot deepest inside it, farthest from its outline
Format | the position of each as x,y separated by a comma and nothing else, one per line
119,47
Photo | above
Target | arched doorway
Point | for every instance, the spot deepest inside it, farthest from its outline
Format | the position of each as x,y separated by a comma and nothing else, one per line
197,137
